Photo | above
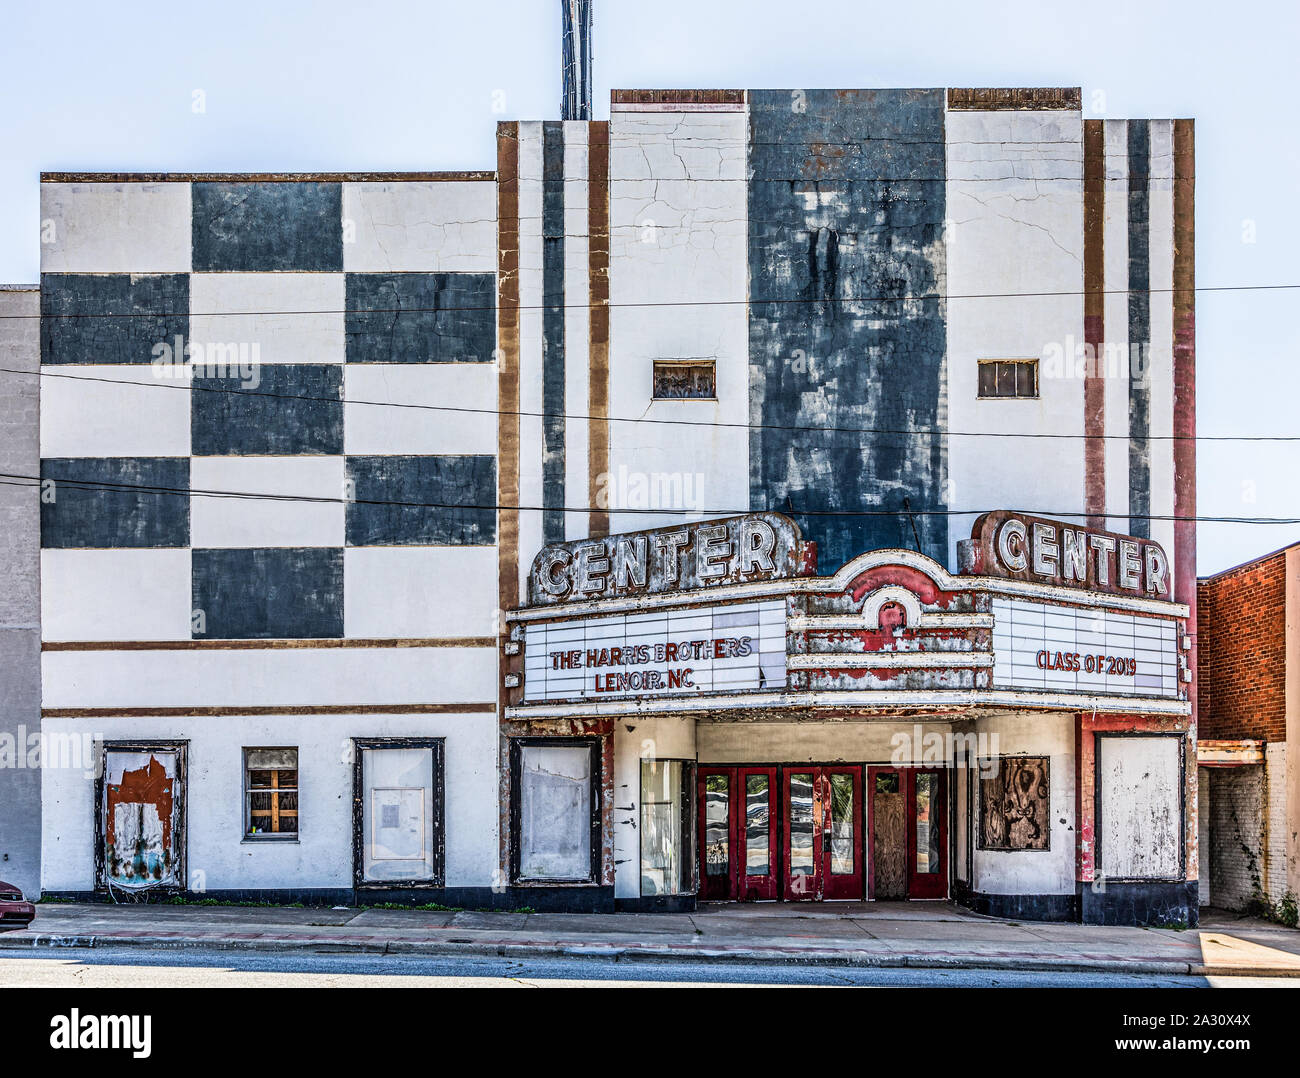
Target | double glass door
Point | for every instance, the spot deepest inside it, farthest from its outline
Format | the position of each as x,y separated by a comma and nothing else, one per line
823,835
818,832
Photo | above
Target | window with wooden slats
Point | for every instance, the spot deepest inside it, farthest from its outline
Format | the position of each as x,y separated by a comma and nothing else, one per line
270,793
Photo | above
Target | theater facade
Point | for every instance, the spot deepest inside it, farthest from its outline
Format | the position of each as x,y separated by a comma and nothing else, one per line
757,495
726,723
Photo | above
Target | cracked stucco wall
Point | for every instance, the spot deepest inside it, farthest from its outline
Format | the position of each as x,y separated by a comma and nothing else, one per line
678,285
1015,226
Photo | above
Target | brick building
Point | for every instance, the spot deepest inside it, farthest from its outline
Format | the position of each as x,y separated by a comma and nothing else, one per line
1249,748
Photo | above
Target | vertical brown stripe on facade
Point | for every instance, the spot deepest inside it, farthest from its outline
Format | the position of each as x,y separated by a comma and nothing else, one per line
598,344
507,433
1185,426
1094,322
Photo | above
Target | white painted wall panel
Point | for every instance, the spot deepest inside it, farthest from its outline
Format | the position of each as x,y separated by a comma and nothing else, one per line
678,290
275,676
306,325
531,443
1015,232
1115,282
375,428
417,226
322,856
126,594
665,737
577,322
272,521
115,228
420,591
1031,872
1161,194
113,410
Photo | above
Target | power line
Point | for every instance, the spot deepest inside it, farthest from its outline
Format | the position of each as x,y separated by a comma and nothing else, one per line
1055,435
747,302
105,486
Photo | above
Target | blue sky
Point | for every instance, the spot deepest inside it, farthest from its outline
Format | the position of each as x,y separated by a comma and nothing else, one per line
291,86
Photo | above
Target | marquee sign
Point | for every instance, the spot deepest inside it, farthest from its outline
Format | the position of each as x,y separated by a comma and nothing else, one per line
1022,547
758,546
1070,649
729,648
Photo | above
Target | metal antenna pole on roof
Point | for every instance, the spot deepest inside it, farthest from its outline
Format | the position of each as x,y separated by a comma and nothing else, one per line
576,103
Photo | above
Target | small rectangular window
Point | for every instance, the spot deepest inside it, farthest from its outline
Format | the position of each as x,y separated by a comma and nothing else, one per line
1008,378
270,793
681,380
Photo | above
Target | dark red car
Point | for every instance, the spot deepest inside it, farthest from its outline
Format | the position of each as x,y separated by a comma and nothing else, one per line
15,911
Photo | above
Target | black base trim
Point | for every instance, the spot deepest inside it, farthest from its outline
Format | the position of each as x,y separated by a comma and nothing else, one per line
656,904
1141,903
541,899
1019,907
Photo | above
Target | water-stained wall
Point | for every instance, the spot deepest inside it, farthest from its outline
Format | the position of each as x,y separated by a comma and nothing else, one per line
846,327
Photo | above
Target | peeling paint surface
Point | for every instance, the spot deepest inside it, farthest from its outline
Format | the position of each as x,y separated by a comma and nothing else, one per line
847,327
140,818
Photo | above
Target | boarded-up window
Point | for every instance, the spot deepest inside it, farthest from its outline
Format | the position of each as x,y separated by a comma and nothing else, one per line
1008,378
1140,807
400,814
1015,804
676,380
555,812
142,816
270,793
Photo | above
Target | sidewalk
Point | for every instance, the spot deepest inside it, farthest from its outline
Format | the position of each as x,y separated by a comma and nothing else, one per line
916,935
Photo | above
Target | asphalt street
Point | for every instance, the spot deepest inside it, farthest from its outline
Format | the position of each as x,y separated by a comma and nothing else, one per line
132,968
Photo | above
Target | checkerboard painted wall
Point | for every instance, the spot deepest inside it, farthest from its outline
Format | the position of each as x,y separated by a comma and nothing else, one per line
328,294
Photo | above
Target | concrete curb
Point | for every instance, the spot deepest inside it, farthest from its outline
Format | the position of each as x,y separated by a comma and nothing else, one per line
650,952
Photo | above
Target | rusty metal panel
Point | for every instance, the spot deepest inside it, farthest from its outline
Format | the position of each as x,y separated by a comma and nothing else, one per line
1015,98
141,817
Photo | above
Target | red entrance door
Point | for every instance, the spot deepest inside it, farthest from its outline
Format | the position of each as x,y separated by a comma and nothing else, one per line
909,833
927,833
737,833
823,833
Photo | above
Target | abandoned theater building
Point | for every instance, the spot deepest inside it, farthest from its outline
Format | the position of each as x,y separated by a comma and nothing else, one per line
768,495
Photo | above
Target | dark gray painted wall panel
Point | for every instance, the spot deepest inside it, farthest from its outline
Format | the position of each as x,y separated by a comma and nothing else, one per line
255,227
98,502
295,409
113,317
1139,327
435,488
421,317
553,377
269,592
847,322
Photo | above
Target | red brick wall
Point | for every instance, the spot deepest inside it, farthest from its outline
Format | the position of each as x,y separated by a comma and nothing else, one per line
1241,679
